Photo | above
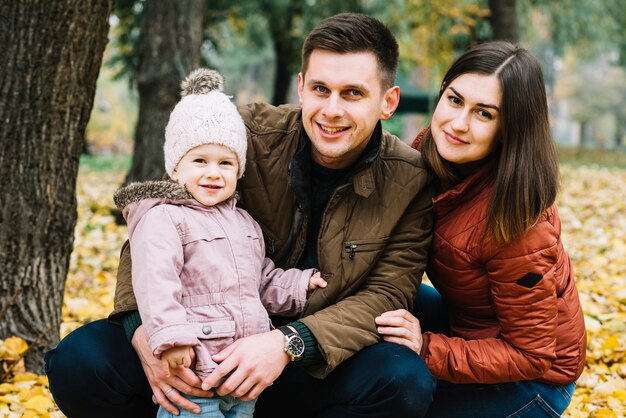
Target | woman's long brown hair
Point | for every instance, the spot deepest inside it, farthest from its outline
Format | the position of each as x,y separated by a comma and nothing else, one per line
526,170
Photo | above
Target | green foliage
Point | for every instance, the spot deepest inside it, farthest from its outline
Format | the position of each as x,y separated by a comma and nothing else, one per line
126,28
592,27
431,34
100,163
394,125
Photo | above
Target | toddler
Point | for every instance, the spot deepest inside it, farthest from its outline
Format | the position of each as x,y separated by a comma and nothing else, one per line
199,269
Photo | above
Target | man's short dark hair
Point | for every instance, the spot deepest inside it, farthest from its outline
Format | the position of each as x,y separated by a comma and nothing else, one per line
353,33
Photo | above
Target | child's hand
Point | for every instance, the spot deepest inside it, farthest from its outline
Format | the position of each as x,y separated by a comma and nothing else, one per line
316,281
176,357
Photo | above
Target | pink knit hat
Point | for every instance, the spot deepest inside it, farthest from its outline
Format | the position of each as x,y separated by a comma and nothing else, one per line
205,115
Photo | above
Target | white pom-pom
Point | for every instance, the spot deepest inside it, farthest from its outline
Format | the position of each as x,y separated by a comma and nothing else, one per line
202,81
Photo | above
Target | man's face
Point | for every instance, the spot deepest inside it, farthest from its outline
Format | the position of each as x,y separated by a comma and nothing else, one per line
342,100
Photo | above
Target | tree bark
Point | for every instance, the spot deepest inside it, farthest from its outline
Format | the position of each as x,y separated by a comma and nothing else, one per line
281,18
51,54
284,49
169,48
504,20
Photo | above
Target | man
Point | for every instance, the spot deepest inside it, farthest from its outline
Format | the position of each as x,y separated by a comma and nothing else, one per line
331,190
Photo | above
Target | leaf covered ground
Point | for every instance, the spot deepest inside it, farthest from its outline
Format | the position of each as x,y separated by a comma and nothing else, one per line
592,205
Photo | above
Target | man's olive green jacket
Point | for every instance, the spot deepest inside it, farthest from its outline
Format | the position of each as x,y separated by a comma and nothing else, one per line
373,239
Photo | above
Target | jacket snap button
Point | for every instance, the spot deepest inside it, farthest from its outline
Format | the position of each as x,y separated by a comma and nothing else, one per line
206,330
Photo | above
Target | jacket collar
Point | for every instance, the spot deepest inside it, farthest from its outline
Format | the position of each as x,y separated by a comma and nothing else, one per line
361,172
161,191
464,191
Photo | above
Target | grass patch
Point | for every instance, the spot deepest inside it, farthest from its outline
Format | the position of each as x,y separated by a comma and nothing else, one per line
571,156
105,162
592,157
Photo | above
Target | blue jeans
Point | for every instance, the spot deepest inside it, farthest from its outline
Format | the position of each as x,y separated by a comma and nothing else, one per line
94,372
523,399
218,407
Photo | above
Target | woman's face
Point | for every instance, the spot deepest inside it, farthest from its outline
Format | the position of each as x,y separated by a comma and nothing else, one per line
467,118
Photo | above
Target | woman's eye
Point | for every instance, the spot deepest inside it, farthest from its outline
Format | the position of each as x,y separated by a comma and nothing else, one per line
484,114
454,100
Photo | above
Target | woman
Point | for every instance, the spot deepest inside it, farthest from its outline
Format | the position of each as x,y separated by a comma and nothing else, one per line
504,334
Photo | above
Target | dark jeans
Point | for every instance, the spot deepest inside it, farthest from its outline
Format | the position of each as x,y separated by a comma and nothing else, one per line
94,372
523,399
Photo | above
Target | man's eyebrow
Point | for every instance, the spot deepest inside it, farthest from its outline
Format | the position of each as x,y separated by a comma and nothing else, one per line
490,106
346,87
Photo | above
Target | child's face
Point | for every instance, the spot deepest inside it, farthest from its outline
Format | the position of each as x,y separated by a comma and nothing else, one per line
209,173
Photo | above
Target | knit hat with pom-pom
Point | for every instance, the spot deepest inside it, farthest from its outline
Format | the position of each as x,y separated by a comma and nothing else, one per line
204,115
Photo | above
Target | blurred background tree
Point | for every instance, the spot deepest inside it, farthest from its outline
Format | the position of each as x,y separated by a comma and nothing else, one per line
256,44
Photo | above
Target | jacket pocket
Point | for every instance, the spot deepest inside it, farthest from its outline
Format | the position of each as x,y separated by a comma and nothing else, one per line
214,335
370,245
204,307
202,234
215,328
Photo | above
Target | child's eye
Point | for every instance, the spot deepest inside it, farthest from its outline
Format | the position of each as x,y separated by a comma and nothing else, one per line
226,162
199,160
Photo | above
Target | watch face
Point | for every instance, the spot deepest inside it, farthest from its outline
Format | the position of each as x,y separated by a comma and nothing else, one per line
296,346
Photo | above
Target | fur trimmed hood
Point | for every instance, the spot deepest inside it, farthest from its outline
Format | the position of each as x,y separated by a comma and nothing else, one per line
162,190
136,199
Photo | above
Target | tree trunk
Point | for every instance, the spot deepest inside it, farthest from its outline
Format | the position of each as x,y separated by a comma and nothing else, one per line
51,54
620,129
504,20
283,49
169,48
281,17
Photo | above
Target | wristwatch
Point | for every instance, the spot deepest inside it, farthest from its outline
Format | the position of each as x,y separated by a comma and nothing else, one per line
294,345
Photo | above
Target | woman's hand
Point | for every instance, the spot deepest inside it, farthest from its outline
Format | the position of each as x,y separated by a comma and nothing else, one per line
401,327
167,390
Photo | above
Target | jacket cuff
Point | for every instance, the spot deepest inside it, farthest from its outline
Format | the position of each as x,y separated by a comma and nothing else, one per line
312,354
131,322
425,339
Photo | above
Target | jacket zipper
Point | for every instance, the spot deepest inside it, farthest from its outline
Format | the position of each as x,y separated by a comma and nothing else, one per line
352,248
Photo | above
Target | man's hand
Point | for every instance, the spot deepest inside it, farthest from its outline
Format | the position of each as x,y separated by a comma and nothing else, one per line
166,389
248,366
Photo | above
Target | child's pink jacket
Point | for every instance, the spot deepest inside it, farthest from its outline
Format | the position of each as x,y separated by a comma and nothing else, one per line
200,274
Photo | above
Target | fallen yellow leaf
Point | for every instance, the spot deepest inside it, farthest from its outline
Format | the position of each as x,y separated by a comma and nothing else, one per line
7,388
27,394
39,404
13,348
611,343
24,377
603,413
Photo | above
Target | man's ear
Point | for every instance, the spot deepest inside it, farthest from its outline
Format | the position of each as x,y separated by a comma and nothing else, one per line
391,100
300,87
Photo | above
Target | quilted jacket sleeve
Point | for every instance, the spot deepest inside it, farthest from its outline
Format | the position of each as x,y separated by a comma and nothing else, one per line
157,263
283,292
347,326
523,285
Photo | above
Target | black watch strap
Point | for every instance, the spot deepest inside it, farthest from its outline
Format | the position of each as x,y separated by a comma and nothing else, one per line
294,345
286,330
